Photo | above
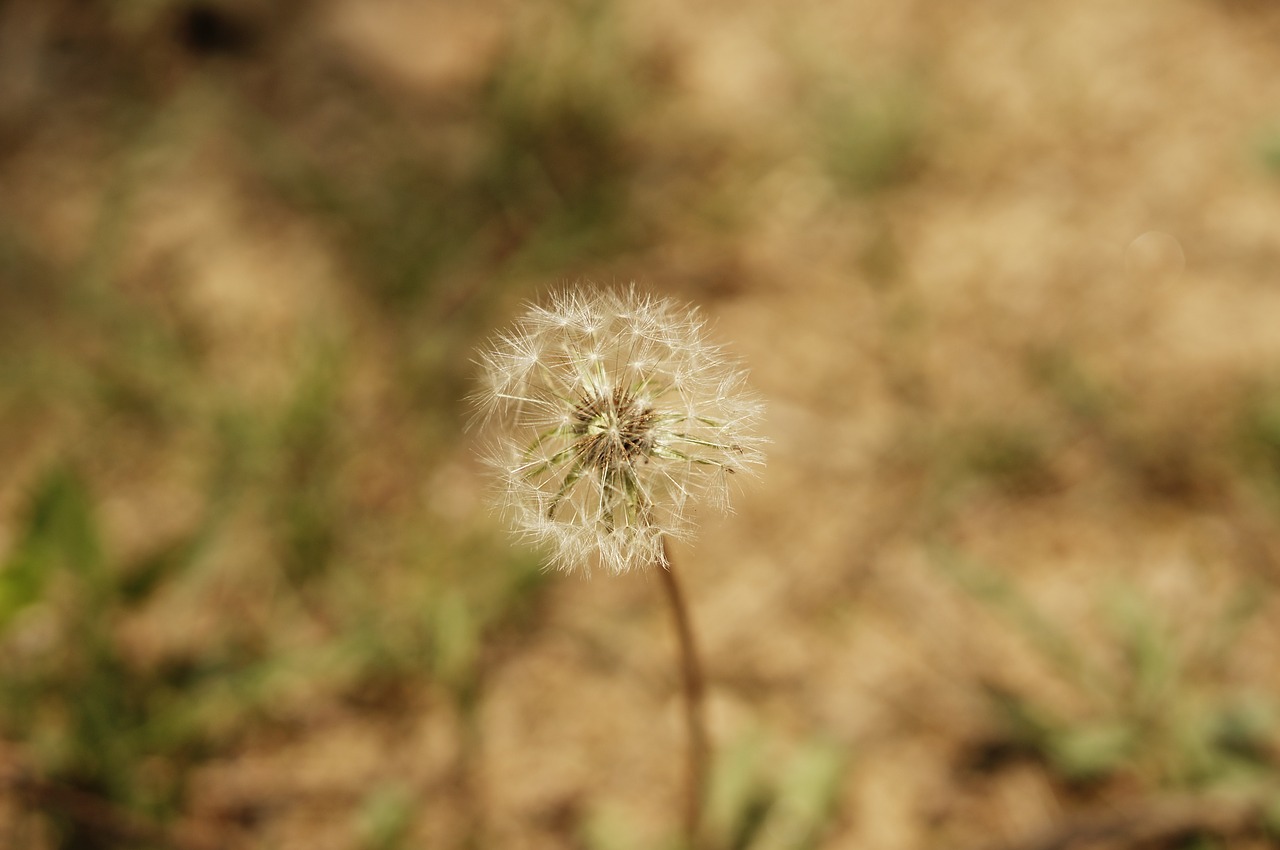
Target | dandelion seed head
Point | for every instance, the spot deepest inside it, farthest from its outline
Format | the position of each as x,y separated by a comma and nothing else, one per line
616,416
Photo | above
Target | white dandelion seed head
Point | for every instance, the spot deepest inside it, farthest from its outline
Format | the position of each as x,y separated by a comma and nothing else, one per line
617,418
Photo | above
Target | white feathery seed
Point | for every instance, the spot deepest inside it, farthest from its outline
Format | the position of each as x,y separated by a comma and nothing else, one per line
617,417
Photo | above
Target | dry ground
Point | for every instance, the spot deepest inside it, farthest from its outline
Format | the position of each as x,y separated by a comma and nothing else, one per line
1006,275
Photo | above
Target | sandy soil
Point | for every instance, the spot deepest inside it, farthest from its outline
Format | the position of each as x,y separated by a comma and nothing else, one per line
1021,351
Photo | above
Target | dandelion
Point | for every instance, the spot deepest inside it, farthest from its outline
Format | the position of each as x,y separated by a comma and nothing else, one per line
621,418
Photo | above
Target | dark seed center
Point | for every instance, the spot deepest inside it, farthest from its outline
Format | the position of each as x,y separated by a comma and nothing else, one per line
612,429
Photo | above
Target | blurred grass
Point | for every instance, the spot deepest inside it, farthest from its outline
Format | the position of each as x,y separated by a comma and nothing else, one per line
762,796
1161,716
96,723
872,137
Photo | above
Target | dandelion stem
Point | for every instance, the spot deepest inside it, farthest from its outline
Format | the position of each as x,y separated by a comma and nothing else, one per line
693,687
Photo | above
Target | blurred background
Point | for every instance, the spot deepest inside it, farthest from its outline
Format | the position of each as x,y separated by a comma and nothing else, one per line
1007,276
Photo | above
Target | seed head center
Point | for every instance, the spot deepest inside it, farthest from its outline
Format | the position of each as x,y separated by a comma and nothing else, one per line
612,429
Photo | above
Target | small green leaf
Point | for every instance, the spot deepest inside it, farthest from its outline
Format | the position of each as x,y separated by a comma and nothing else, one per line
739,800
607,828
385,818
1092,751
60,533
807,798
457,638
146,574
